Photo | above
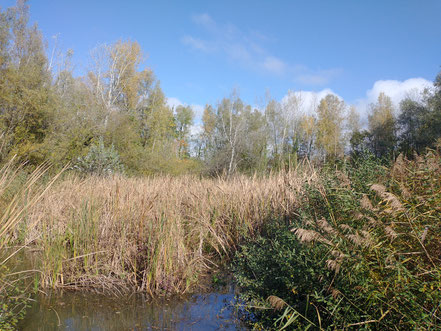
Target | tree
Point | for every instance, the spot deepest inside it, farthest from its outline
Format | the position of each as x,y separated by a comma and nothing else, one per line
116,79
353,121
382,126
353,128
292,106
184,119
231,123
308,133
158,126
411,126
207,136
254,145
276,128
223,133
26,98
432,120
329,126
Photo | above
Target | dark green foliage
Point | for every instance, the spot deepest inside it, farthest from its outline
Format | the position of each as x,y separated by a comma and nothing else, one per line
364,170
25,95
276,264
364,252
13,300
359,143
382,127
420,120
411,122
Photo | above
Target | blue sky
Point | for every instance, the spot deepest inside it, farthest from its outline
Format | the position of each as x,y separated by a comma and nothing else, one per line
201,50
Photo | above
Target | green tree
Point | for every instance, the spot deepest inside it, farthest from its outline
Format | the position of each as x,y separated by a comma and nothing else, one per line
254,147
231,128
411,126
432,120
382,126
224,130
353,121
26,99
329,126
100,160
184,119
291,114
207,136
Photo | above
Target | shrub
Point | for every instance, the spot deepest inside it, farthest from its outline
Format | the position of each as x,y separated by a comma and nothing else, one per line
365,253
100,160
13,300
275,265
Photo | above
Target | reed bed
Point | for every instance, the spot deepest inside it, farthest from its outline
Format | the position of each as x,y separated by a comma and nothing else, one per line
157,235
17,197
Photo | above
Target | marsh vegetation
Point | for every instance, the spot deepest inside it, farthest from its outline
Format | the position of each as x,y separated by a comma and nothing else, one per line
104,187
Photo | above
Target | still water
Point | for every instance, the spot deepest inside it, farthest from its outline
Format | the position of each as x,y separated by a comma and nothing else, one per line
88,311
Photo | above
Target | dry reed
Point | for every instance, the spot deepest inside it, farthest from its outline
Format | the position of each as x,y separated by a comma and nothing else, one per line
157,235
16,199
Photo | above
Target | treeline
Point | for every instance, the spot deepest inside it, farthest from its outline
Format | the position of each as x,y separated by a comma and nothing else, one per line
116,117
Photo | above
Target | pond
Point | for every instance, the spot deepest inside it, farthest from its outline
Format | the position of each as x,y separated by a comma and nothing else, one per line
89,311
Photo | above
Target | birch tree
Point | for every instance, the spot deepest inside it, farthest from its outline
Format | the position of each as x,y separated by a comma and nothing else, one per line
329,126
308,132
292,106
231,125
116,79
276,128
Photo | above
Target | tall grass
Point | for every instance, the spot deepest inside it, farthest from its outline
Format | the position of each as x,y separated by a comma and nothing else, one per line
157,235
17,197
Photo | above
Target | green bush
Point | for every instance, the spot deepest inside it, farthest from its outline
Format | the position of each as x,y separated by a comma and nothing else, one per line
275,264
13,300
363,252
100,160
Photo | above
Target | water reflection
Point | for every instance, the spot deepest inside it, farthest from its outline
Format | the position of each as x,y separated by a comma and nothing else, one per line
86,311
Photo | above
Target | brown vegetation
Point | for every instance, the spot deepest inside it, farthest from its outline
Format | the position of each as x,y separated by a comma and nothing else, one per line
157,235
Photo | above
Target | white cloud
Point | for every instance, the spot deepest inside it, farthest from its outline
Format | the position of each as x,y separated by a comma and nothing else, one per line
197,109
247,49
309,100
238,51
395,89
174,102
274,65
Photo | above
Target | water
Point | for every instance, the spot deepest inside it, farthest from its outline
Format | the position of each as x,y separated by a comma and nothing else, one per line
88,311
